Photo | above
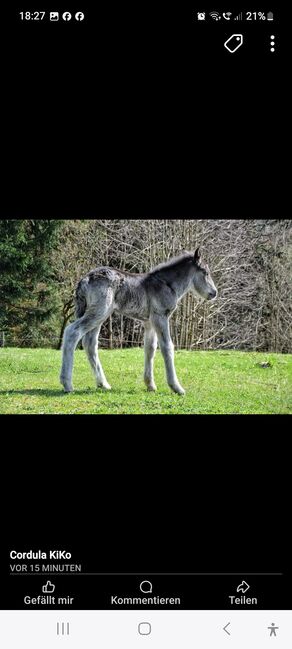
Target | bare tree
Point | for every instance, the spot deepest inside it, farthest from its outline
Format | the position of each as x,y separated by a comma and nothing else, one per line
250,260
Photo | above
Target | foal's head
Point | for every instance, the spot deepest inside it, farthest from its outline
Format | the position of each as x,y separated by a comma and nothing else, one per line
203,285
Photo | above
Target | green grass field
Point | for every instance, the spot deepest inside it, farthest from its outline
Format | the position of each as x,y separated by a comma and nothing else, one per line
215,383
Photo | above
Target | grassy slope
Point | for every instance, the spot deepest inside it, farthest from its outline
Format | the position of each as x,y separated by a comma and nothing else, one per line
216,382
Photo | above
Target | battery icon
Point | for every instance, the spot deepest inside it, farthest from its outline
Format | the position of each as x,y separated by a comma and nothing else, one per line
270,15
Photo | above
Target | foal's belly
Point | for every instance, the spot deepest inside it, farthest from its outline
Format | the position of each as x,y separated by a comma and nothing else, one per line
142,315
132,302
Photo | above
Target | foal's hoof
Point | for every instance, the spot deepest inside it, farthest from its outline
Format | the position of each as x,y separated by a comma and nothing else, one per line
104,386
68,388
151,388
177,389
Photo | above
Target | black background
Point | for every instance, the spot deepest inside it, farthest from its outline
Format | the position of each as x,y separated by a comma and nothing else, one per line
136,111
127,115
124,500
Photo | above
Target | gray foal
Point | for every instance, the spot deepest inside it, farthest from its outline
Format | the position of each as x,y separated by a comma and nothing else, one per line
149,297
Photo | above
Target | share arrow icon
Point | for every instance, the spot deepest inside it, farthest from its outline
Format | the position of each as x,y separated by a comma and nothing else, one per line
243,587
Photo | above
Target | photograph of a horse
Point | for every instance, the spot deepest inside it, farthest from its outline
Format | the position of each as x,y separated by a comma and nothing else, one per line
149,297
146,316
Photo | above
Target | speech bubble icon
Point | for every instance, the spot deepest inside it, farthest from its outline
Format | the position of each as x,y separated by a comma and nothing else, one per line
146,586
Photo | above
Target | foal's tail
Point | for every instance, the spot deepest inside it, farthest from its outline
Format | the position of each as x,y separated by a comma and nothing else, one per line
80,299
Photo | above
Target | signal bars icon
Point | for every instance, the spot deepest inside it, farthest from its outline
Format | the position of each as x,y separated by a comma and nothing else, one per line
239,16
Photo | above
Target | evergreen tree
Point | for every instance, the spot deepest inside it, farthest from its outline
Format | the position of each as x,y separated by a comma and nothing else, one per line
27,295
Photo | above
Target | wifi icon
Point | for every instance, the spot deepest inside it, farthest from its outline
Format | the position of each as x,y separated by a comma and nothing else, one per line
215,15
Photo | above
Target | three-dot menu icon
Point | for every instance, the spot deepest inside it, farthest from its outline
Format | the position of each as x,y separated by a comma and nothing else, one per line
272,43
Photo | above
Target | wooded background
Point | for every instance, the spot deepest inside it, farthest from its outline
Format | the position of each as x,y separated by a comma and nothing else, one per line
250,261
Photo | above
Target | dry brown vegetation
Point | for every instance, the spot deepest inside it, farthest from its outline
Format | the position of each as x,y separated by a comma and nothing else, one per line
250,261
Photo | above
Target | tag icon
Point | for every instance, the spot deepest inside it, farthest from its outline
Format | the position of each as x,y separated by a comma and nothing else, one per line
234,42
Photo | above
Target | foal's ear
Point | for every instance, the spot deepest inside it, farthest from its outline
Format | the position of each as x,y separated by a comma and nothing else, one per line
197,256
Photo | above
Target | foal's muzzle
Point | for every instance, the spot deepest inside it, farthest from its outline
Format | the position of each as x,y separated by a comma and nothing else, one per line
212,295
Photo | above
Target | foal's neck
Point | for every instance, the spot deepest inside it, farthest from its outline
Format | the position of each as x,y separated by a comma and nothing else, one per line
182,285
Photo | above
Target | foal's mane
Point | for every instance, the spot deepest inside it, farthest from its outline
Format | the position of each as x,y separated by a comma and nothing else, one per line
172,263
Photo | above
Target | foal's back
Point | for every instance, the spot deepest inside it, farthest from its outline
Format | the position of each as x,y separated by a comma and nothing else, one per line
123,290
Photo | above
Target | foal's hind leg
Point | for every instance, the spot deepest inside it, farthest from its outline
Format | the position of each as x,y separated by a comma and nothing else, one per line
73,333
90,344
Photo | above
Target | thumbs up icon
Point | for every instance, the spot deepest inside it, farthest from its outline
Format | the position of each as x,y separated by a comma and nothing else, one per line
48,587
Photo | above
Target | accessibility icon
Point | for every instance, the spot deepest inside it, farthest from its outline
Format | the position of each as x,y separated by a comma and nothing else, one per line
273,630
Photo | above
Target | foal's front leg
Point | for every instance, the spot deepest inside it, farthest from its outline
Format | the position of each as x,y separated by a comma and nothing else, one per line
150,346
161,325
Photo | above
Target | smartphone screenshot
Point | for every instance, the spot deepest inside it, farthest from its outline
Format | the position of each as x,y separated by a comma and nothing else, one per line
145,326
